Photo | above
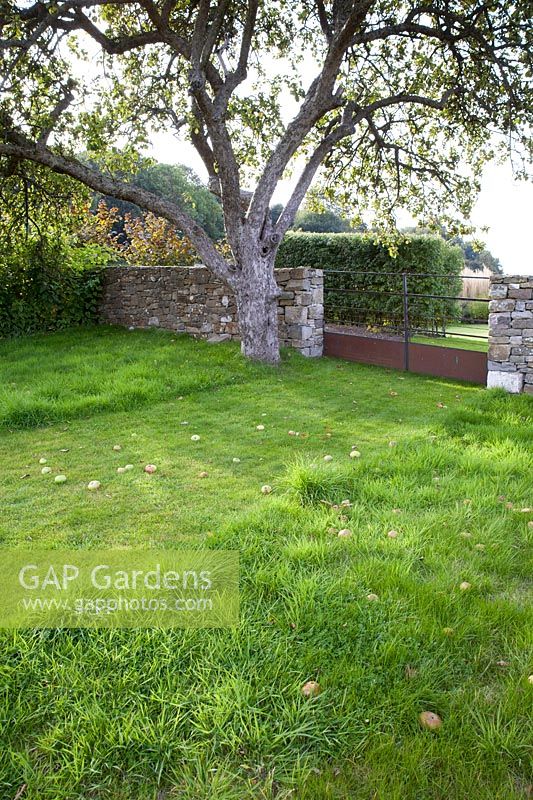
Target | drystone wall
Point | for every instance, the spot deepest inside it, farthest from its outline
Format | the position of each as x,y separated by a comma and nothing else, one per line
191,300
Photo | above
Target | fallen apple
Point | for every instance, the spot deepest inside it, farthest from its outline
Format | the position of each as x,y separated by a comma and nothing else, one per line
128,467
42,461
311,689
355,454
430,721
150,468
46,470
236,460
121,470
344,533
260,427
464,586
266,489
372,597
93,486
328,458
392,534
195,438
60,478
203,474
117,448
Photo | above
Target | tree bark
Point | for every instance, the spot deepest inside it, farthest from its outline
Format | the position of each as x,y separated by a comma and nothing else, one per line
256,295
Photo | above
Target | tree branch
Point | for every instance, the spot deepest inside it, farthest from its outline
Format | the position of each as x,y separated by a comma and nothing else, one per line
18,146
319,99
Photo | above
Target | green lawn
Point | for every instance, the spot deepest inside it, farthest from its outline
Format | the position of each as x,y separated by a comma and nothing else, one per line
452,339
164,714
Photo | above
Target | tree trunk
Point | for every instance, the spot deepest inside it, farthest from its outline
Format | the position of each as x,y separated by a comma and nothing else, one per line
256,295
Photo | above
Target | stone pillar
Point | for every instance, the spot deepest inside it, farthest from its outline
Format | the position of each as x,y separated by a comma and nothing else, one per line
511,334
301,309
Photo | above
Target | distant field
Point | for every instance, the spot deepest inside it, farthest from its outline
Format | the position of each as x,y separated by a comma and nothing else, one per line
455,337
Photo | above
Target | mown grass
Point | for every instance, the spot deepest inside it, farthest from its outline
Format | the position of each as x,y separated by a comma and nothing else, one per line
475,338
192,714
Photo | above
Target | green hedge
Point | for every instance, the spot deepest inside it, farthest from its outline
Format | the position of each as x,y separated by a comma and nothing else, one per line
47,284
359,273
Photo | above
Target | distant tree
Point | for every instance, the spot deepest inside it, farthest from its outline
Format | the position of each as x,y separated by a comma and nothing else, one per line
320,222
275,212
476,255
177,184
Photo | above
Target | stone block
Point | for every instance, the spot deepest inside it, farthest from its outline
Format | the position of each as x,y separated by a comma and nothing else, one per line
295,314
511,382
499,320
282,275
153,322
302,284
216,338
315,311
522,315
520,294
499,352
501,305
502,340
501,366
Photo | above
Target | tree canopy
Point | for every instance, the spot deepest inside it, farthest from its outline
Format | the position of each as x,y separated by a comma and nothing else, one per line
406,103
